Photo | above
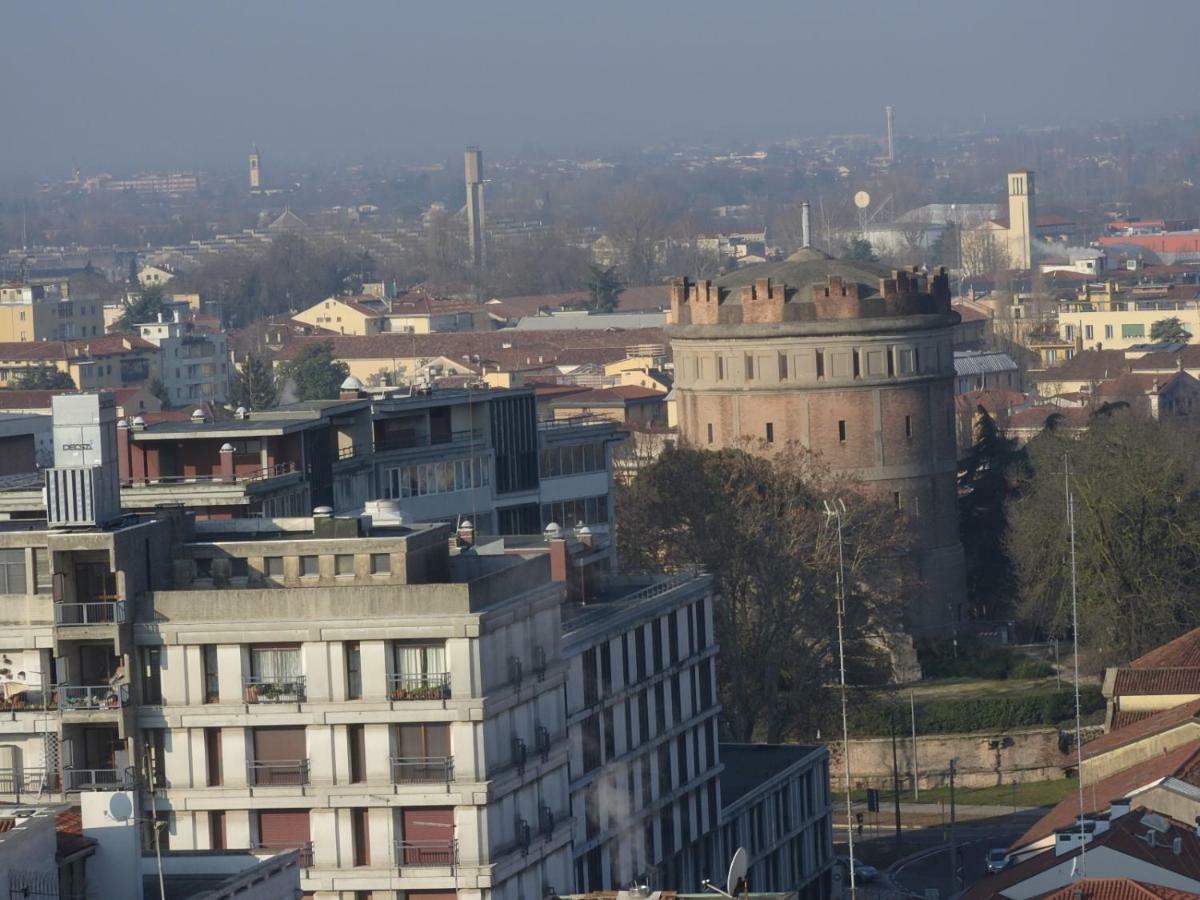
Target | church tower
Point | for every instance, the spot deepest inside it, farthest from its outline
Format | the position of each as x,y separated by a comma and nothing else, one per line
255,170
1021,219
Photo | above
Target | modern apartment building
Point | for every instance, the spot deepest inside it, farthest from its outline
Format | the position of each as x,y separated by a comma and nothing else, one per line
194,365
46,311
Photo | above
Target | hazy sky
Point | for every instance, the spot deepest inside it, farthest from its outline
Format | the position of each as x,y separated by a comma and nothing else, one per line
117,85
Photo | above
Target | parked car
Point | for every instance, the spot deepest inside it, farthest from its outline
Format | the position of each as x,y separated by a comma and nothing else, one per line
862,871
997,860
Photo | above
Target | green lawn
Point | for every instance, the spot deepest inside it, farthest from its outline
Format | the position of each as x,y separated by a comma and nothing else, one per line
1033,793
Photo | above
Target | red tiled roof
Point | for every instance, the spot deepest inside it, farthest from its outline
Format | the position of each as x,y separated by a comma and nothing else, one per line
1147,726
43,399
1088,365
1125,836
1123,718
1182,762
8,824
47,351
994,400
1182,652
969,313
1157,681
1134,384
1113,889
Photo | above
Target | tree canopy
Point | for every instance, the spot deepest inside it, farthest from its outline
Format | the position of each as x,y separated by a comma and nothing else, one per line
145,308
758,525
860,249
43,377
604,288
1136,484
314,374
254,384
1169,330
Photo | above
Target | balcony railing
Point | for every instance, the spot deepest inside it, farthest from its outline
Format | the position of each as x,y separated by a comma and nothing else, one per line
93,612
275,471
305,848
97,779
278,772
419,686
427,853
89,697
28,701
415,441
422,769
274,690
27,781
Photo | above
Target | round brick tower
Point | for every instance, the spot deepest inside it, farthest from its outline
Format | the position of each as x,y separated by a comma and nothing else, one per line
862,374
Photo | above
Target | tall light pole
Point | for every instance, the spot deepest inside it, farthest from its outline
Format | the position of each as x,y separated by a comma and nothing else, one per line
835,511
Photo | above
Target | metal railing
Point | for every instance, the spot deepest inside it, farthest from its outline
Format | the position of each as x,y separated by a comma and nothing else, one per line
416,441
419,686
422,769
582,421
427,853
97,779
93,612
27,781
275,471
277,772
28,701
305,848
89,697
274,690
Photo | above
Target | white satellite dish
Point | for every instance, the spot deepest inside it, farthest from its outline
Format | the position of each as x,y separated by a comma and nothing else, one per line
862,199
738,867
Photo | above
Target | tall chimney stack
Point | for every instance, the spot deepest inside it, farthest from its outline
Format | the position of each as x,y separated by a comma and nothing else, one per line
805,225
890,113
473,159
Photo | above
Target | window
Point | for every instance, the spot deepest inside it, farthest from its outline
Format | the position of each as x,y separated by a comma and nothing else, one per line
152,676
1108,332
749,367
1133,331
43,583
857,365
820,363
12,571
412,660
908,426
610,734
891,361
208,663
591,690
720,368
275,663
1087,332
216,830
357,743
783,367
212,757
422,741
423,479
360,834
770,432
273,567
353,671
842,430
896,498
156,748
381,563
710,432
591,743
310,566
343,564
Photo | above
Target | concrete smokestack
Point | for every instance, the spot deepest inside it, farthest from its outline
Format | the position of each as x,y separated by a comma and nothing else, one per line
890,113
474,172
805,227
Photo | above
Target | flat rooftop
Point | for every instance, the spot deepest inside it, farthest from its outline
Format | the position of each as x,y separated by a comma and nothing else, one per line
749,765
616,601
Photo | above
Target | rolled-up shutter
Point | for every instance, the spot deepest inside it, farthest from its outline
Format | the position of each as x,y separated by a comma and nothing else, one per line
283,827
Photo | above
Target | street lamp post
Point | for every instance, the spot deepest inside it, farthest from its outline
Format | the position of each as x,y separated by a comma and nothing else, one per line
835,511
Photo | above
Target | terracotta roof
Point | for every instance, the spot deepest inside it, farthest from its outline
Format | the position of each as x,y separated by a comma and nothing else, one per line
8,824
542,391
620,395
1182,652
1135,384
1125,835
1113,889
1088,365
994,400
1122,718
1157,681
631,299
1147,726
69,828
970,313
1036,417
101,345
1182,763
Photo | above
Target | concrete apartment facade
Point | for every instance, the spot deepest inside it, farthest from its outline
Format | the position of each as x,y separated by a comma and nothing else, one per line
193,363
46,311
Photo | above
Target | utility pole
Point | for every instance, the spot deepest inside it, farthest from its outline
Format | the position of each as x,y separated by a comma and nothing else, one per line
953,848
896,781
912,711
835,512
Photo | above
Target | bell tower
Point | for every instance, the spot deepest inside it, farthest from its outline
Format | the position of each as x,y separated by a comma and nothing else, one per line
255,169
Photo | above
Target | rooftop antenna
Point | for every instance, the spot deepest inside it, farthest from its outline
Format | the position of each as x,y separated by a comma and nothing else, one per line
835,511
735,882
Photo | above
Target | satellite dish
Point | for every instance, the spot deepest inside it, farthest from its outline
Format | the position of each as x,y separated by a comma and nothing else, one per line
738,866
120,808
862,199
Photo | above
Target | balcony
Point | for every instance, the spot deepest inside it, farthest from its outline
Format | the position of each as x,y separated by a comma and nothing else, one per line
16,782
85,698
427,853
277,773
422,769
419,686
27,701
274,690
306,851
98,779
278,470
419,441
93,612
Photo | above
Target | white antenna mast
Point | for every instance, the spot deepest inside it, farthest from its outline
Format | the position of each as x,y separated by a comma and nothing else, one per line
1075,639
